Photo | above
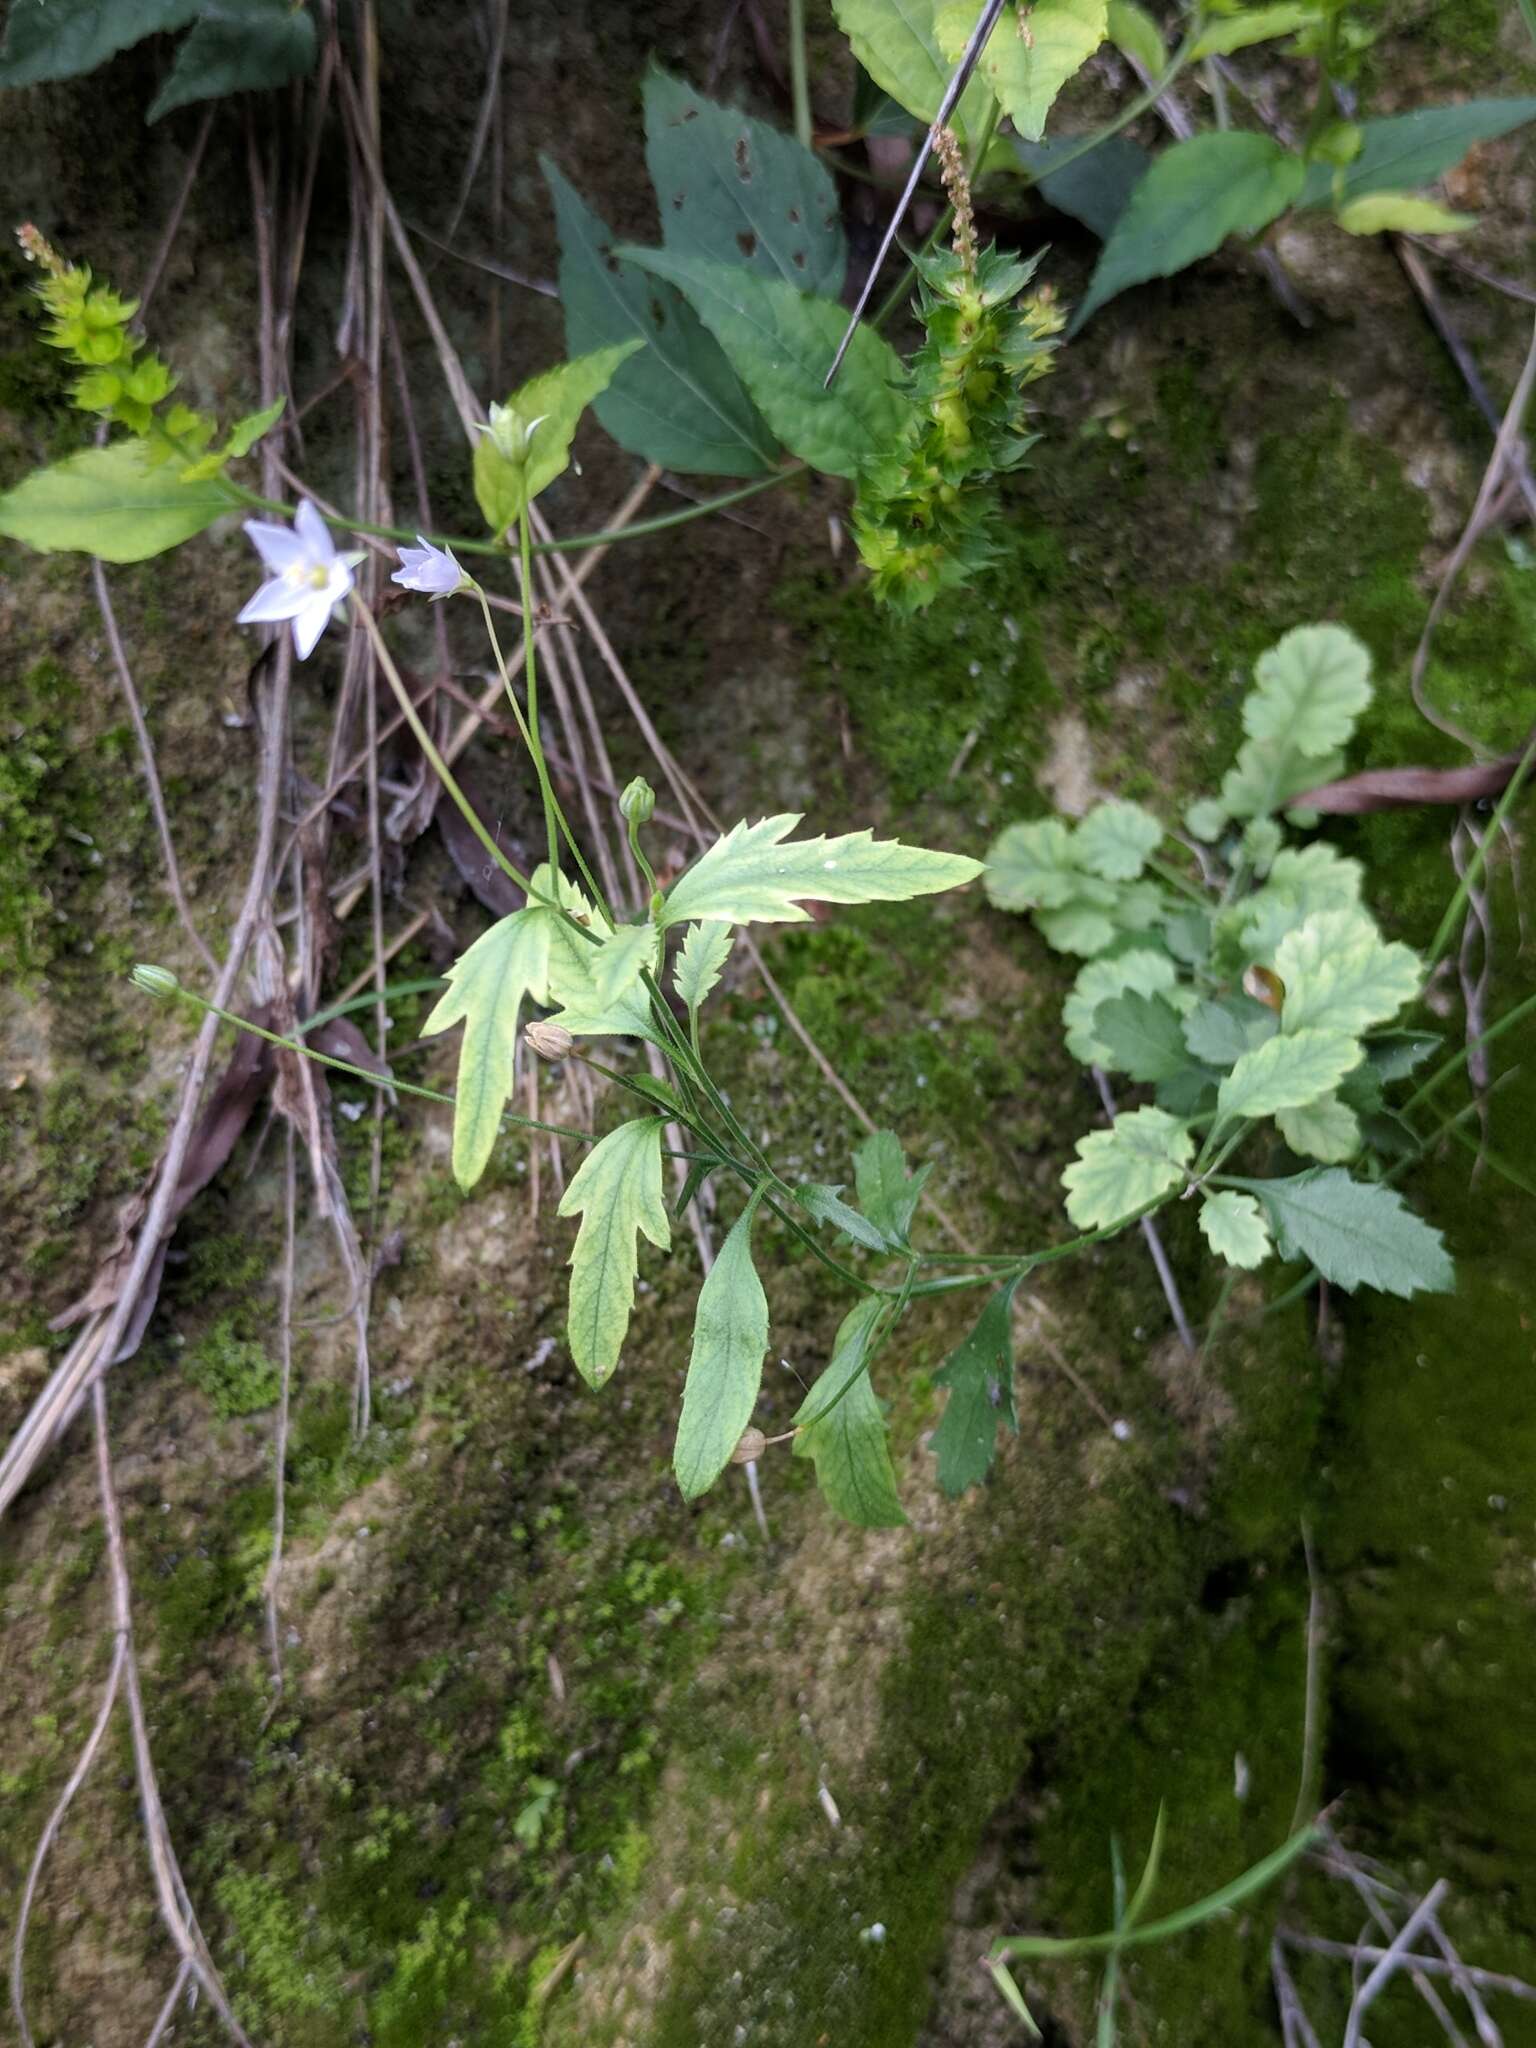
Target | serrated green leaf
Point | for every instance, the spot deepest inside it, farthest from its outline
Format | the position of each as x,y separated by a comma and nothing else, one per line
1195,195
677,402
733,190
1235,1229
1141,1156
112,503
1114,840
897,44
840,1427
245,433
1240,31
750,877
888,1194
1286,1072
1311,689
621,959
1189,1093
487,987
697,967
1220,1032
1262,841
1094,187
1356,1233
617,1193
238,46
1142,1035
1325,1130
1149,973
725,1367
1028,57
781,342
48,39
1083,928
557,399
1303,881
1032,867
1402,151
826,1205
979,1376
1136,35
1401,213
1339,972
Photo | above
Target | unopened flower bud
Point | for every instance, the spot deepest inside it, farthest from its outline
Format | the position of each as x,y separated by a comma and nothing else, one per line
512,434
752,1445
549,1041
637,806
156,981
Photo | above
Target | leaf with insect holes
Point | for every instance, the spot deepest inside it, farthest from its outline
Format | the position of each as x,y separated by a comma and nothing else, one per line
750,877
617,1193
487,987
1326,1129
1143,1036
1235,1229
1194,196
677,402
897,43
1148,972
1339,972
1312,686
979,1376
618,963
698,965
1286,1073
725,1367
781,342
1140,1157
1227,33
888,1194
1356,1233
1114,840
734,190
112,503
840,1427
1030,55
556,400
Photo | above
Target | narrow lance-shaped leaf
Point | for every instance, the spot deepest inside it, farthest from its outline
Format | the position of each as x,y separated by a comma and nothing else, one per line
840,1427
617,1192
979,1376
487,987
749,877
676,402
556,400
826,1205
725,1367
1356,1233
781,343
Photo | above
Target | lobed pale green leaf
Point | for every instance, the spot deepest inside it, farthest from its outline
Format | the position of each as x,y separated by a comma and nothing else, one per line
1032,866
1339,972
1285,1073
1311,689
1326,1129
1114,840
1146,971
487,987
698,965
618,963
1141,1156
1235,1229
750,877
617,1192
1030,55
1142,1035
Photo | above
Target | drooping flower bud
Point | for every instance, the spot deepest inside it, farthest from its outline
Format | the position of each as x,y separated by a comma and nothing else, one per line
637,806
549,1041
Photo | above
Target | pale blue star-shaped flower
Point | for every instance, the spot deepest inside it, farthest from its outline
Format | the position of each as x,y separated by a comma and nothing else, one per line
430,570
308,578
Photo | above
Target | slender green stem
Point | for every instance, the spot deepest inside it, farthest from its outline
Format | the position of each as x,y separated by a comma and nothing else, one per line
799,79
1479,860
425,741
1175,880
531,685
808,1239
1459,1059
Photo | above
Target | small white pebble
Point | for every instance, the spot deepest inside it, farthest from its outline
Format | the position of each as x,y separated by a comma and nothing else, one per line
874,1933
1121,1430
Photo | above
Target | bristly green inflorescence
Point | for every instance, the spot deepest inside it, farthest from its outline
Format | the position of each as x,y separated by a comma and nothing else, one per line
923,520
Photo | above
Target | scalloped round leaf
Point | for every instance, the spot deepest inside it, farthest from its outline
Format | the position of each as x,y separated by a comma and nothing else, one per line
1312,687
1140,1157
1340,973
1146,972
1031,867
1285,1073
1205,819
1235,1229
1326,1129
1114,839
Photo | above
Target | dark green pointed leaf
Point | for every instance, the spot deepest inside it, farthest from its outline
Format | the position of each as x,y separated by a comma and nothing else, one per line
733,190
979,1376
1396,1053
888,1194
840,1426
1220,1032
826,1205
678,402
1142,1035
47,39
1095,187
1401,151
238,46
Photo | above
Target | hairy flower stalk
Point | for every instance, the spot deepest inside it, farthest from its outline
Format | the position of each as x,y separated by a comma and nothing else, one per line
924,519
957,185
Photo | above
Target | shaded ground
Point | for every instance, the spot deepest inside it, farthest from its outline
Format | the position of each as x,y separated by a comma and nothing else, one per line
498,1592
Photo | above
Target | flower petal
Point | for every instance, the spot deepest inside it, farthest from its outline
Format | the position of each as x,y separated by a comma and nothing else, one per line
310,623
278,546
278,598
314,533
